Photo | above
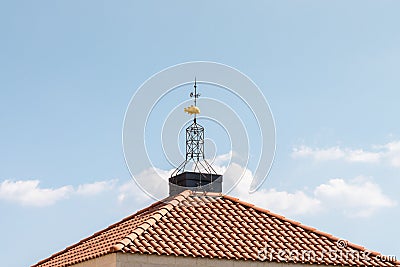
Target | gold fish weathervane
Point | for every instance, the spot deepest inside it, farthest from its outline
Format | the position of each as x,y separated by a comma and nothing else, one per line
192,110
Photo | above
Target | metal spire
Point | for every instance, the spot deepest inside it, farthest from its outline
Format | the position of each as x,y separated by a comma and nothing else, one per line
195,141
195,92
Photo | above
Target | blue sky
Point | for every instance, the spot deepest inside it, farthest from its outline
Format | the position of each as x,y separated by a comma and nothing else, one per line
329,70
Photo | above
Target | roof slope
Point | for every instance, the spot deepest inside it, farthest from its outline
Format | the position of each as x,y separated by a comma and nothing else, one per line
216,226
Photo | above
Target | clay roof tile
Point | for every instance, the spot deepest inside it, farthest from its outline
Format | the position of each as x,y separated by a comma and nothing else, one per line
197,224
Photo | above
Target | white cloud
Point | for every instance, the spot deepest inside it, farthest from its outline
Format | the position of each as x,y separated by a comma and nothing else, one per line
153,181
388,153
29,192
285,202
130,190
358,197
221,160
360,155
332,153
393,153
95,188
234,174
272,199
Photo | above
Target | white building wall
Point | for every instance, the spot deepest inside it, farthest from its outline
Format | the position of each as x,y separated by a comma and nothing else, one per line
109,260
138,260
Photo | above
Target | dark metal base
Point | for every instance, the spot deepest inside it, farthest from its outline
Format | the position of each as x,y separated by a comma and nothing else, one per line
195,181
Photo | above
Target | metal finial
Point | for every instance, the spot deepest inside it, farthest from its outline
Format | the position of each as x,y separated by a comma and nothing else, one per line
193,109
195,94
195,141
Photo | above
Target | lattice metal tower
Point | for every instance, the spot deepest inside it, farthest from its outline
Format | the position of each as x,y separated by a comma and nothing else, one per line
194,142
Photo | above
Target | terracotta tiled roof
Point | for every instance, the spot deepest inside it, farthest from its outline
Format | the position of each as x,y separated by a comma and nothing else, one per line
216,226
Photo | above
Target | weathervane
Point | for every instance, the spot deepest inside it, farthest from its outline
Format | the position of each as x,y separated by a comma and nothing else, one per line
195,142
193,109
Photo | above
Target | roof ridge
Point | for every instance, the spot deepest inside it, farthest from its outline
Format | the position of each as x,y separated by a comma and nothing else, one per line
305,227
206,194
230,228
139,212
153,219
